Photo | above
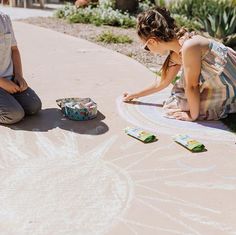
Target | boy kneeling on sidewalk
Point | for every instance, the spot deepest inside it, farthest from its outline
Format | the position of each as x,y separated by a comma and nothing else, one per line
16,98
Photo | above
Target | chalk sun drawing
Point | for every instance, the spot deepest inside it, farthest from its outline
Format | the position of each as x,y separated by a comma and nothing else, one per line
60,191
179,211
57,190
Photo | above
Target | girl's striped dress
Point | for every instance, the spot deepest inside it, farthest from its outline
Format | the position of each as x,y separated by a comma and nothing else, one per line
217,82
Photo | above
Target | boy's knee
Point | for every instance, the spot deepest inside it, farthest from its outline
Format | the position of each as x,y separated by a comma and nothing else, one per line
34,107
12,116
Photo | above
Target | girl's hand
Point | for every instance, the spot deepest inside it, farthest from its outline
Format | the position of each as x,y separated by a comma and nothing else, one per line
127,97
184,116
9,86
22,83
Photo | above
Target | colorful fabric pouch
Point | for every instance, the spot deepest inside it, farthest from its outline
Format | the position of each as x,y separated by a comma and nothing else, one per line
78,109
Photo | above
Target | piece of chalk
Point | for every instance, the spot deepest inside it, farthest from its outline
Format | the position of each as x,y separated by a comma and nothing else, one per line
89,104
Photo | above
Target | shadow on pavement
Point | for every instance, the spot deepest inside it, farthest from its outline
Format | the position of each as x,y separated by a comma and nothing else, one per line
51,118
145,103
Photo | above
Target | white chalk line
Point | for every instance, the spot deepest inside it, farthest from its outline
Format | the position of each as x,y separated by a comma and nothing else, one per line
179,200
169,176
128,155
204,220
210,186
149,226
155,170
130,228
147,156
170,217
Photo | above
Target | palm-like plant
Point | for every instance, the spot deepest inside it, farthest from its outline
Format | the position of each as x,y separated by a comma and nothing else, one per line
222,25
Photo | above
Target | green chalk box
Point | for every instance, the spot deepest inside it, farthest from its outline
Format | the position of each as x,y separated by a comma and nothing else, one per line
189,143
140,134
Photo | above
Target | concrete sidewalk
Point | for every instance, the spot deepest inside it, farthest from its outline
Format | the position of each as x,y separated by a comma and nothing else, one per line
22,13
68,178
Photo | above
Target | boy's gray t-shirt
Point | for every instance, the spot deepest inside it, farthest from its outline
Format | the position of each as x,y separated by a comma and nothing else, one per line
7,40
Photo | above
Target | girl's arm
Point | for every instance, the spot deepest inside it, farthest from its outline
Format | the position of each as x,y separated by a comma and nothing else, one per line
192,69
165,81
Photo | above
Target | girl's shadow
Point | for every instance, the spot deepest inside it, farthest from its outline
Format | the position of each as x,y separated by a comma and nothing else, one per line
144,103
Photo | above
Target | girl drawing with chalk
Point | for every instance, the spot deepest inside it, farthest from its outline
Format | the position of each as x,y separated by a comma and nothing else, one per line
206,89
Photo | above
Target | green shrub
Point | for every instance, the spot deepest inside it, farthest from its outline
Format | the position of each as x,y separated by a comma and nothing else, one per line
183,21
59,13
107,3
161,3
145,5
109,37
177,77
65,11
99,15
222,24
218,18
194,8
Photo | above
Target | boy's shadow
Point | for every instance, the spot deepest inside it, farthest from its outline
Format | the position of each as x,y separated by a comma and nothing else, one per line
48,119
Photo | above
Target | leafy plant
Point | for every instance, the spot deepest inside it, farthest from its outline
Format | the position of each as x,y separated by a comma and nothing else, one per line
222,24
109,37
99,15
65,11
107,3
218,18
177,77
160,3
183,21
194,8
145,5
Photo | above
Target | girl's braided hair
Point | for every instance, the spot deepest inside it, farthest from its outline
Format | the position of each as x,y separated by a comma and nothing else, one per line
158,23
